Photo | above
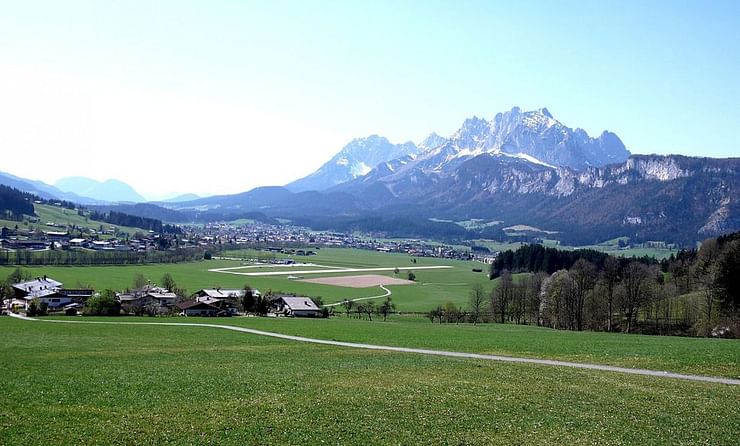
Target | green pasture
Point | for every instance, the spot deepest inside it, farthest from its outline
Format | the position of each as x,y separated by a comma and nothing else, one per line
111,384
699,356
58,215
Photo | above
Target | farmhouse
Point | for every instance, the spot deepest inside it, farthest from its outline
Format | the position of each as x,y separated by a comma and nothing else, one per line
153,298
296,306
196,308
48,291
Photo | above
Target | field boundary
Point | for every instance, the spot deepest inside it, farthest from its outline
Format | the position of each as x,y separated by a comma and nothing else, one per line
511,359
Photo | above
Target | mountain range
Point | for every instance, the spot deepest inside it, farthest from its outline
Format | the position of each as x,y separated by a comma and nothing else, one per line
518,169
109,190
532,135
521,168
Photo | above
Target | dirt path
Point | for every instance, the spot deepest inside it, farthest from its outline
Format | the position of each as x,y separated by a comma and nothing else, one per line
547,362
387,293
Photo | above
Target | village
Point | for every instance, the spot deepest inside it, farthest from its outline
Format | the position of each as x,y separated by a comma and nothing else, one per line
214,237
44,295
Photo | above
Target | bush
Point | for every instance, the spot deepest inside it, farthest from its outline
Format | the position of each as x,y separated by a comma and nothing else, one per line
103,305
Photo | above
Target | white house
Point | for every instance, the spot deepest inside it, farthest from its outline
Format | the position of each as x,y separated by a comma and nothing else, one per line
296,306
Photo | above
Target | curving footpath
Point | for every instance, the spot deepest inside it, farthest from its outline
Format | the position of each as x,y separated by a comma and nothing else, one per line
387,293
548,362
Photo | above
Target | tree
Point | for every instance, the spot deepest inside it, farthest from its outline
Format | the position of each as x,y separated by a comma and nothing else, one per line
609,279
386,308
248,301
707,273
635,281
501,295
534,295
168,282
139,281
369,308
583,274
18,275
451,312
348,305
556,290
477,302
104,304
728,279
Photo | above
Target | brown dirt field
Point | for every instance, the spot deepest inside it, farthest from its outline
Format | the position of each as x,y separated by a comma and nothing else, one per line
363,281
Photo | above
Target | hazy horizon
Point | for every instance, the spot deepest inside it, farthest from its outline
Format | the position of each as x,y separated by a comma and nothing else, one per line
218,98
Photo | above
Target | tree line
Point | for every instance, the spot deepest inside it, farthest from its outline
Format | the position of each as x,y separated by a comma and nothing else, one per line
696,292
537,258
84,257
121,219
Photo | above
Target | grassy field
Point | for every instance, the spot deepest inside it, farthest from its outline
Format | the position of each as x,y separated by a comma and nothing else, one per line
700,356
433,287
106,384
58,215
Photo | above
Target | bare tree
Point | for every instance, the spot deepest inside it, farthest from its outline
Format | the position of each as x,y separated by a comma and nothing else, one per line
369,308
477,302
706,272
501,295
583,274
534,288
635,283
610,277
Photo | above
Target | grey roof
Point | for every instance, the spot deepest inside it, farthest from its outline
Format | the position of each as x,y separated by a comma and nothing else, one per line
37,284
299,303
221,293
195,304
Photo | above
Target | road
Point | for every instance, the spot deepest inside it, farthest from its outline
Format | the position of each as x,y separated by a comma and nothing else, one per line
514,359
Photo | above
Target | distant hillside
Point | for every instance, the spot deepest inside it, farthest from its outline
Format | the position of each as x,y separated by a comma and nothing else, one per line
41,189
110,190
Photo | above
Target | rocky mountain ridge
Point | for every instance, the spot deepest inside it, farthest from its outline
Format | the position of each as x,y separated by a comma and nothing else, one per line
535,136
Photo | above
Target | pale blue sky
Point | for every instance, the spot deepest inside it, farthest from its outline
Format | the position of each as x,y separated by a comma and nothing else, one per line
239,94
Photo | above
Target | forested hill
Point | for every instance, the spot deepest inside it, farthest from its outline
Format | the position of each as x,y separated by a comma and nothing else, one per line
121,219
14,203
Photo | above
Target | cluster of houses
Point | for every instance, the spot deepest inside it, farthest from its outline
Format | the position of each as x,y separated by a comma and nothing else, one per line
48,291
20,239
152,299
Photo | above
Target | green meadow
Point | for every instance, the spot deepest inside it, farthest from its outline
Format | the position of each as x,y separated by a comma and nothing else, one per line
115,384
432,287
58,215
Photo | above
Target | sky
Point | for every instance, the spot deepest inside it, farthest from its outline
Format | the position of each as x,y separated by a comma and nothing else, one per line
215,97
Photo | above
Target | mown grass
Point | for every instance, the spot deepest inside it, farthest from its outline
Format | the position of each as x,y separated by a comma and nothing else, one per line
107,384
701,356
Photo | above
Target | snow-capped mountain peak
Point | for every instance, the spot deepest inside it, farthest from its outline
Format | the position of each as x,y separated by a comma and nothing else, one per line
355,159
